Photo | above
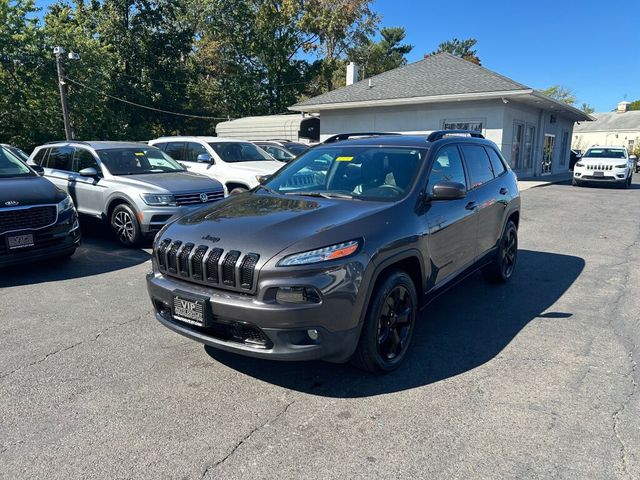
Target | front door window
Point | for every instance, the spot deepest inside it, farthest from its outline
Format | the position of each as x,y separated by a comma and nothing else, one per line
547,153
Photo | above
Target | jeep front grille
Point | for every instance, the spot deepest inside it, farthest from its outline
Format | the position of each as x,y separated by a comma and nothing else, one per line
208,266
599,167
198,197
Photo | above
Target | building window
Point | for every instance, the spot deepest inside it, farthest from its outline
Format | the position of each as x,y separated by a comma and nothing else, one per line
632,143
474,125
517,146
563,148
529,139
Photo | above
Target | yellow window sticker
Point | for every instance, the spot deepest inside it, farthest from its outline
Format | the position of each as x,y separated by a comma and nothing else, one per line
140,154
344,159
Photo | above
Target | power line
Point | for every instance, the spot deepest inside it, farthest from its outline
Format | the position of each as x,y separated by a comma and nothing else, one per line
75,82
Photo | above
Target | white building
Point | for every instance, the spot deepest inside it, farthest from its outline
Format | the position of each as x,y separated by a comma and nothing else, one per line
446,92
621,127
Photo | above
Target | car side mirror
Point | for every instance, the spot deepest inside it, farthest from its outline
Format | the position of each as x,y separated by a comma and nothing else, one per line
264,179
88,172
633,157
203,158
38,169
448,191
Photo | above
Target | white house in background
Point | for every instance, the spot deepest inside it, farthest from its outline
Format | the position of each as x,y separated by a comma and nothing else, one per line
621,127
446,92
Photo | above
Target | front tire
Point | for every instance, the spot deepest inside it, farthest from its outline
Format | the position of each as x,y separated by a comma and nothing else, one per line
575,182
237,190
389,324
503,265
126,226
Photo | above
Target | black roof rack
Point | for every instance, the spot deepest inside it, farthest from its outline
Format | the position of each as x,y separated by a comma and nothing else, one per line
438,134
347,136
67,141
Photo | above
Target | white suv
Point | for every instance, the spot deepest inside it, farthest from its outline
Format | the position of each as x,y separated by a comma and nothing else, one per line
237,164
604,164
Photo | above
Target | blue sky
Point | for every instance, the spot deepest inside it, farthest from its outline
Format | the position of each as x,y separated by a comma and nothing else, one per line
590,46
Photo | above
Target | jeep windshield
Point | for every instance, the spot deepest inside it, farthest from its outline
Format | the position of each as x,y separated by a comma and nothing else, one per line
138,161
366,173
605,153
11,166
234,152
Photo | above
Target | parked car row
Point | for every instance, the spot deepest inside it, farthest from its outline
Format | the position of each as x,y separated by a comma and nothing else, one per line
329,257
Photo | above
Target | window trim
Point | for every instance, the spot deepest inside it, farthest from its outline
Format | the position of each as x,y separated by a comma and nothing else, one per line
505,165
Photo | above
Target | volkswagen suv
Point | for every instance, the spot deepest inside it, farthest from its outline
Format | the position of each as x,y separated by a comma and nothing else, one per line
333,256
136,188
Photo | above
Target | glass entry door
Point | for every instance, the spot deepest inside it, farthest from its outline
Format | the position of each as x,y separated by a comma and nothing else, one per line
547,153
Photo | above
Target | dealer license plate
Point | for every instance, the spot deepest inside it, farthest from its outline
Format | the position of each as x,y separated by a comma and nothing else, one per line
189,309
598,174
15,242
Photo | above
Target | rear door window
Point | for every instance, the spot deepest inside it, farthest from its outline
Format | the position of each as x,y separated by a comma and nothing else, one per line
496,162
41,157
478,164
175,150
60,158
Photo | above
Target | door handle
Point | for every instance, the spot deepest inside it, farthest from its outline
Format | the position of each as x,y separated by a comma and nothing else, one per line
504,191
471,205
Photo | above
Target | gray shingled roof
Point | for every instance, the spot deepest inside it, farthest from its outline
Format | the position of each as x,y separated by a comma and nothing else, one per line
611,121
440,74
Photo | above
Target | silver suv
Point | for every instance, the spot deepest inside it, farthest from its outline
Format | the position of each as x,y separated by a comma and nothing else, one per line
137,188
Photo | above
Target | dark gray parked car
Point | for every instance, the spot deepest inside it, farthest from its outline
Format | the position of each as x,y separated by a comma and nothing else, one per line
335,254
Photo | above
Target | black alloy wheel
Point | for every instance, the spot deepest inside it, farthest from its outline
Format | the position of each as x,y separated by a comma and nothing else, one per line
503,265
395,323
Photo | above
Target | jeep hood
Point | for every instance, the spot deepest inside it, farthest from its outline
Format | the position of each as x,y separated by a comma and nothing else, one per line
176,182
603,161
268,224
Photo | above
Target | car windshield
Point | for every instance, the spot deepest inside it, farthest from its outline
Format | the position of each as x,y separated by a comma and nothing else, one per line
138,161
18,153
605,153
296,148
365,173
12,166
233,152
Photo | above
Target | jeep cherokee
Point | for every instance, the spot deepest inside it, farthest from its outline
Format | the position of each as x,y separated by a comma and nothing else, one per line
333,256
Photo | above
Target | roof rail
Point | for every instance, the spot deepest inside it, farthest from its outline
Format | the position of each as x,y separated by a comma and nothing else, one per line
438,134
347,136
67,141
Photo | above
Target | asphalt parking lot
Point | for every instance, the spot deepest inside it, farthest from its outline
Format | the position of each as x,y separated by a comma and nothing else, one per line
535,379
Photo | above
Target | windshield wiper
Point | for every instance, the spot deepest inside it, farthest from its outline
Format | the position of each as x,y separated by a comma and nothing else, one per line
266,189
321,194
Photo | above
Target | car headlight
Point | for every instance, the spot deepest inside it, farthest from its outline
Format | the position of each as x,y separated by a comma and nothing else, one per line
158,199
578,164
622,166
332,252
65,205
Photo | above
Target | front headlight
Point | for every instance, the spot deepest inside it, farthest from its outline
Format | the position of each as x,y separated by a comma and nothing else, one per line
155,199
578,164
65,205
332,252
624,165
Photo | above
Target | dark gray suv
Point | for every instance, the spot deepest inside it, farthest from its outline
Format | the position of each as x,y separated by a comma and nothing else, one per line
333,256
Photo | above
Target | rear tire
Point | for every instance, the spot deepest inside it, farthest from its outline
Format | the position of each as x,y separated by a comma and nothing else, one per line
501,269
125,225
388,326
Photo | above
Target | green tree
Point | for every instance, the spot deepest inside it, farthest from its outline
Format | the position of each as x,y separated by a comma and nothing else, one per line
460,48
635,105
560,93
586,108
388,53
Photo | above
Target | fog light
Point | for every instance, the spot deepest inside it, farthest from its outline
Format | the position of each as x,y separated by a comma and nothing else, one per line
313,334
297,295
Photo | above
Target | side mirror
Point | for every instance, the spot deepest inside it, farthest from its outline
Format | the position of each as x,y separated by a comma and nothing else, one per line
203,158
38,169
88,172
264,179
633,157
448,191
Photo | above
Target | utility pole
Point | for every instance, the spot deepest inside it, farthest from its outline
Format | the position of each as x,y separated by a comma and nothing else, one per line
68,131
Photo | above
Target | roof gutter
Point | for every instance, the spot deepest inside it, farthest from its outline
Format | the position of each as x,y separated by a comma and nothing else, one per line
388,102
581,116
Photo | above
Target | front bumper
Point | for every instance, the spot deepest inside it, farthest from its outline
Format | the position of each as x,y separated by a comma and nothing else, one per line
60,240
283,328
582,174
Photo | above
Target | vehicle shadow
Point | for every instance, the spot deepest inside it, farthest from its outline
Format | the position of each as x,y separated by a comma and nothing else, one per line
98,253
461,330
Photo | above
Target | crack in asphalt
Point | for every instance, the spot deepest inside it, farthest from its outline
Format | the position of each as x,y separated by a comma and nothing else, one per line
69,347
617,413
244,440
